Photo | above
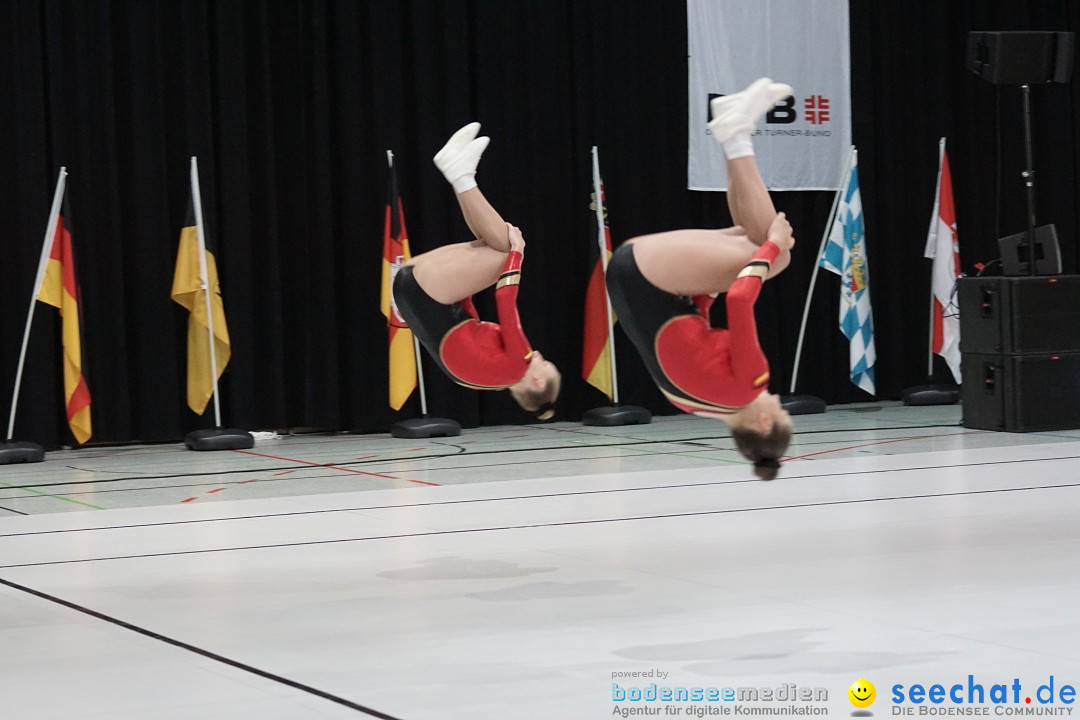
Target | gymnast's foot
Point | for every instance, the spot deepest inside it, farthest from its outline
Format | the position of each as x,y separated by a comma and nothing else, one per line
738,113
458,158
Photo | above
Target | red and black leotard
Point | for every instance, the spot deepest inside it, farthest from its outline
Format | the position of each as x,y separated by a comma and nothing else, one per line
700,369
474,353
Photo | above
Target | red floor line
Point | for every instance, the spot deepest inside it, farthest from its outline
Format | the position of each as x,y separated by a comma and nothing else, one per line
189,499
287,472
881,442
215,490
333,467
853,447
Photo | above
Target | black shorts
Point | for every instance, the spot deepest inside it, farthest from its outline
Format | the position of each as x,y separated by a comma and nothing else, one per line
642,309
428,318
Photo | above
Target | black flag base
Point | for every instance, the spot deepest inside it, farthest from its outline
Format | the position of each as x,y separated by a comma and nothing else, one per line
425,427
615,415
13,451
219,439
802,404
932,395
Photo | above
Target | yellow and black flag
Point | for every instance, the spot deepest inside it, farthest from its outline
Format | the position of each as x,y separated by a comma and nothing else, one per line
60,289
189,290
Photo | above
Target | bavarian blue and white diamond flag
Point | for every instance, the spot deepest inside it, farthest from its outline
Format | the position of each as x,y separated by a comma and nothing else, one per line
800,144
845,255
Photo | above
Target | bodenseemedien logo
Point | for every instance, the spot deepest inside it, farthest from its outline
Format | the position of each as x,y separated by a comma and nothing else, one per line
695,701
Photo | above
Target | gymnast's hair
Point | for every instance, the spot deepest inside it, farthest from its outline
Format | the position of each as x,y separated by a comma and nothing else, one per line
763,449
540,401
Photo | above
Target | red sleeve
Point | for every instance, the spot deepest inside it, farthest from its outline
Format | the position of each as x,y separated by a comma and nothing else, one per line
747,360
467,305
506,292
703,304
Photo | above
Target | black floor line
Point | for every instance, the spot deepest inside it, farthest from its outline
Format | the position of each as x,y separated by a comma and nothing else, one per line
572,493
13,510
399,470
198,651
290,478
462,451
405,470
533,526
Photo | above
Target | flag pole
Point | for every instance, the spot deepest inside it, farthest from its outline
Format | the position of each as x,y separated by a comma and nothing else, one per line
601,238
423,426
416,343
420,376
196,199
46,250
817,266
933,230
216,438
931,394
615,414
930,340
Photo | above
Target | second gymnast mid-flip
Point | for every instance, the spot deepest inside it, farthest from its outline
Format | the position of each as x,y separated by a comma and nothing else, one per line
434,293
663,285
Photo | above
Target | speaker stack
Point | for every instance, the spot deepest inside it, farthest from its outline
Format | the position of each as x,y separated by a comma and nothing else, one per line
1020,336
1020,345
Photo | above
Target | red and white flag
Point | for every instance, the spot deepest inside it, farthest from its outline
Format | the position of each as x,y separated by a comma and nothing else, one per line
942,246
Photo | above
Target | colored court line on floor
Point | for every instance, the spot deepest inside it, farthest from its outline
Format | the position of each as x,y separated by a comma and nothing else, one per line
208,492
461,451
642,452
574,493
486,466
690,454
536,525
200,651
879,442
50,495
333,467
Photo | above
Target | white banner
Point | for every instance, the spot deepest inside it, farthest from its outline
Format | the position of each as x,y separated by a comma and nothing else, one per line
803,143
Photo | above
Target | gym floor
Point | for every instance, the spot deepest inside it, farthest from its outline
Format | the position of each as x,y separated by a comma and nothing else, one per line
539,571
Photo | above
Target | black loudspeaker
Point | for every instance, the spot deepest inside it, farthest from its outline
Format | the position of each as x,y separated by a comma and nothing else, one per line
1021,58
1016,249
1019,314
1021,393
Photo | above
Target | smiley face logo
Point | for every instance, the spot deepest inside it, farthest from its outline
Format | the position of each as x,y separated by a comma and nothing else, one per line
862,693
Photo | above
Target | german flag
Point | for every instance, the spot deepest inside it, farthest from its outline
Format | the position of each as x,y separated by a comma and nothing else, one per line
395,253
596,355
187,290
59,289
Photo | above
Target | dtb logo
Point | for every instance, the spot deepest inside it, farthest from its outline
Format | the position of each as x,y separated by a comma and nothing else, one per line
815,110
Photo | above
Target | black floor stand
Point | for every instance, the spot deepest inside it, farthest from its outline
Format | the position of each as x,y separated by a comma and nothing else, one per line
425,427
615,415
920,395
219,439
802,404
13,451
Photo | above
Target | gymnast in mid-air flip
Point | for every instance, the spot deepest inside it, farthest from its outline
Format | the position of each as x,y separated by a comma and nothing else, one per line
434,290
662,287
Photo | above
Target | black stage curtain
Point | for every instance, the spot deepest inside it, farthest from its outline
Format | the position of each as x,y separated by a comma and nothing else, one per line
290,106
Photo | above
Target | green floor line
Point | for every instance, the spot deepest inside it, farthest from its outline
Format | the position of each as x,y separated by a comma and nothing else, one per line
50,495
